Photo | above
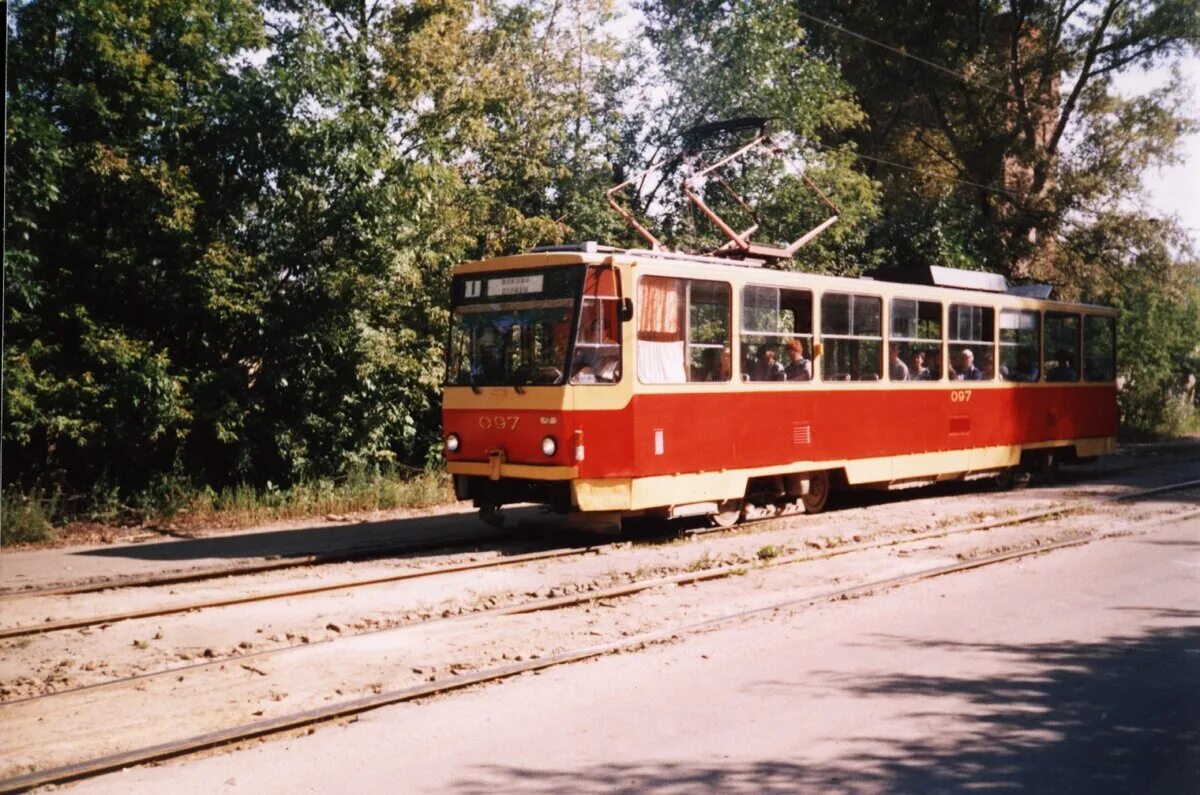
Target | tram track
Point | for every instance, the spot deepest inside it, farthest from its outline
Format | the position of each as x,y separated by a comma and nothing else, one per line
311,717
617,591
423,545
184,607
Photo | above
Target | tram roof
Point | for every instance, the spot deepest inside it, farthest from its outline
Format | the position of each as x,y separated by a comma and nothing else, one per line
940,278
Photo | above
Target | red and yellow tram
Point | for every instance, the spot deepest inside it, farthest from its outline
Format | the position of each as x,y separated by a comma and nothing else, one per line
611,383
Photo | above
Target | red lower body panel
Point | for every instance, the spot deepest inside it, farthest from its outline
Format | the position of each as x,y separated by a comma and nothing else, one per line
662,434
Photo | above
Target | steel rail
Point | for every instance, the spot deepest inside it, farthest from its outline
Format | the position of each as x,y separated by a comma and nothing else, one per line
307,718
618,591
77,623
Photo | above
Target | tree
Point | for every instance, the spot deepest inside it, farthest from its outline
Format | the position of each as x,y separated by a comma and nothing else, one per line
112,264
231,226
727,60
1014,99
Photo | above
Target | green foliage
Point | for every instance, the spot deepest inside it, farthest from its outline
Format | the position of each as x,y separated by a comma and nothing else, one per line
27,518
721,61
1158,338
230,224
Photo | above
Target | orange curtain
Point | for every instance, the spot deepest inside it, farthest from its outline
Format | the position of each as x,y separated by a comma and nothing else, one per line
660,314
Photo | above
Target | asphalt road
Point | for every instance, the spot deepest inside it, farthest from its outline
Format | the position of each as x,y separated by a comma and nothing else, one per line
1077,671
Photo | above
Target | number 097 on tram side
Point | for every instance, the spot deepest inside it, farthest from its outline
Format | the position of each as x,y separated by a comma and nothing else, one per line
608,384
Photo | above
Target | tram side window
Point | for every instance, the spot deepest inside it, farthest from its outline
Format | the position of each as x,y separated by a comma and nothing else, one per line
1099,348
915,343
708,331
597,357
972,335
851,331
1062,346
1019,338
776,339
683,330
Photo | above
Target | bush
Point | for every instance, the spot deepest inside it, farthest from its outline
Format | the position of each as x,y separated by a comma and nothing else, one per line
27,518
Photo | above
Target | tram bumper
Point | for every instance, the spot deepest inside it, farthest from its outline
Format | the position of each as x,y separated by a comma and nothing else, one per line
560,487
497,483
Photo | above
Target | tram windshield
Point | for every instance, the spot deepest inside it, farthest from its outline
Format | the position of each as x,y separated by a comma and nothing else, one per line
513,328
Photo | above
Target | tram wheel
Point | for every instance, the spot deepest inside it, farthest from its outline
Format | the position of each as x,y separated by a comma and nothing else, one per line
818,492
1048,468
1011,479
490,514
729,515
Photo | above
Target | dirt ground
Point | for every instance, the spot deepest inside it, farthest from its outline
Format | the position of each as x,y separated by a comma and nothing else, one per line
210,669
1072,672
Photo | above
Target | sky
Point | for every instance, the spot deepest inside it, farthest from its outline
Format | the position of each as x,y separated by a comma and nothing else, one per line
1174,190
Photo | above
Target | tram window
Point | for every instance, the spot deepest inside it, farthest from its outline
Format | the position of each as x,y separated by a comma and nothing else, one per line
915,344
776,338
852,333
683,330
597,358
1019,353
708,331
1062,346
1099,348
972,335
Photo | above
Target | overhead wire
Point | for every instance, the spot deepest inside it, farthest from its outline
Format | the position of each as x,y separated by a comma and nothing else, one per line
932,65
905,54
922,172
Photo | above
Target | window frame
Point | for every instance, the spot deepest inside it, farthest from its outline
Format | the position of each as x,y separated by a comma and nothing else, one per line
851,336
1112,358
807,338
1062,314
1001,345
954,341
924,342
576,342
686,338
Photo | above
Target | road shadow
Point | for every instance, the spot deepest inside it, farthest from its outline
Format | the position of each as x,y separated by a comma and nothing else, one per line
390,537
1116,716
534,529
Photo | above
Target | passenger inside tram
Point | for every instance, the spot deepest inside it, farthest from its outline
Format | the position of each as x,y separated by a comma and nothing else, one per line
965,369
798,367
1063,371
1025,371
767,368
918,371
988,368
897,369
715,365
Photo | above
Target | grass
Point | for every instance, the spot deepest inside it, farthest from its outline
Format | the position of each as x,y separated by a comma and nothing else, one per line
243,504
769,552
34,516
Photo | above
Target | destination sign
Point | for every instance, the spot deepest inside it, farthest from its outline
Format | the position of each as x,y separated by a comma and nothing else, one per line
515,285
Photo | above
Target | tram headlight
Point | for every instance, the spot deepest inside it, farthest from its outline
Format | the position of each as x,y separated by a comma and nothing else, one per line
452,443
549,445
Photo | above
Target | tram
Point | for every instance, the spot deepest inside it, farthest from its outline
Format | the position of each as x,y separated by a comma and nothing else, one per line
613,383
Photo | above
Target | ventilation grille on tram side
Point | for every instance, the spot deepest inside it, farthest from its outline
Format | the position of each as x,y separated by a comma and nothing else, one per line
801,433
